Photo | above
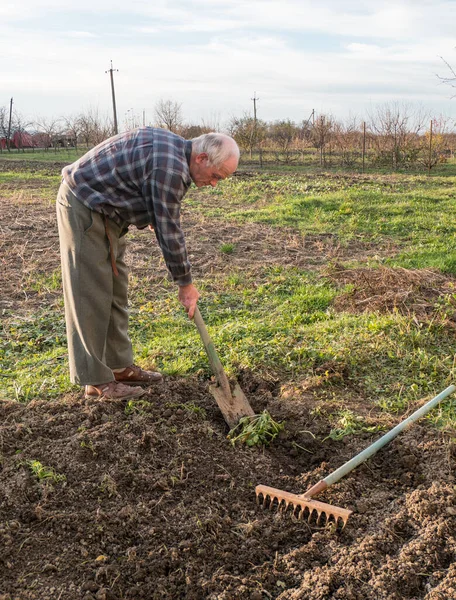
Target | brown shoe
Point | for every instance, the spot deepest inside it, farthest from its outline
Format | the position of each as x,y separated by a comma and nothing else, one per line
134,375
112,391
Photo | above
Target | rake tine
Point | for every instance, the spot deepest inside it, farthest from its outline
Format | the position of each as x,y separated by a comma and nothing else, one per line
303,507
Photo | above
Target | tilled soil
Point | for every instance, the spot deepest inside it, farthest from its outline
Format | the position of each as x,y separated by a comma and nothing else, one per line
157,504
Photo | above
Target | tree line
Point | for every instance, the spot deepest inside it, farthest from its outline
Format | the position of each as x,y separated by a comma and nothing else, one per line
394,135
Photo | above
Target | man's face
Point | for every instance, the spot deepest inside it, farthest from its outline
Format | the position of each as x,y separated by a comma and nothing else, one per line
204,174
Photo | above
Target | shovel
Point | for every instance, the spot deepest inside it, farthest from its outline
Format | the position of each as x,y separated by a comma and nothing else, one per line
234,405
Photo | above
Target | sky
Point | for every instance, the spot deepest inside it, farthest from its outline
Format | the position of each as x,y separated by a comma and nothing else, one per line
344,58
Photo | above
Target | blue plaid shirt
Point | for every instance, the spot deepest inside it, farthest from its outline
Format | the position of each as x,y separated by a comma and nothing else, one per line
139,178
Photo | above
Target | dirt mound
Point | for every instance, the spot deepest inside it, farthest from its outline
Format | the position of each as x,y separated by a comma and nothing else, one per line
156,503
409,556
423,293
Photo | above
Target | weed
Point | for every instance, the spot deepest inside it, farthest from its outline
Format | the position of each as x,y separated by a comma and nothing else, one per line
108,486
88,443
258,430
22,393
227,248
136,406
46,282
190,407
348,424
44,474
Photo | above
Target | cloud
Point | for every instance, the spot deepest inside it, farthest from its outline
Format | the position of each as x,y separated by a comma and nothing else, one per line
80,34
296,54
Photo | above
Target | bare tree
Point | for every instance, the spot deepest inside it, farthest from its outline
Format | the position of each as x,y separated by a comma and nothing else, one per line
347,140
72,124
451,81
4,117
248,132
211,122
435,143
94,128
285,136
49,130
168,115
396,128
189,131
20,126
322,132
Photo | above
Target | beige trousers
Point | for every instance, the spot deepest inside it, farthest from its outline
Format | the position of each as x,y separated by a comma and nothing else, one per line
96,312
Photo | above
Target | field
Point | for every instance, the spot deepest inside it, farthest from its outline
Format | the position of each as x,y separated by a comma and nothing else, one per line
331,299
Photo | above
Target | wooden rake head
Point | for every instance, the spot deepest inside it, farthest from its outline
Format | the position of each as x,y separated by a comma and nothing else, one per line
302,506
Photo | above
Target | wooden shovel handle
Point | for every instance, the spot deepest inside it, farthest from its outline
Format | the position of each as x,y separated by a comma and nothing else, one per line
214,360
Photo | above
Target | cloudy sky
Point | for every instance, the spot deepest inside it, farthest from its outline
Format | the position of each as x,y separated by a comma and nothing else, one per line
212,56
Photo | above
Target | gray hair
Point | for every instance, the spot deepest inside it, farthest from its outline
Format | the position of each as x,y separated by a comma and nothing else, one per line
218,146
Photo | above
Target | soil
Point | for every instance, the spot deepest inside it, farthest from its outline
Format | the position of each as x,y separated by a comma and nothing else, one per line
156,503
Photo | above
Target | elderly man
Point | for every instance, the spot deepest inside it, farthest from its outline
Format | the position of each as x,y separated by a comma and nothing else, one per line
135,178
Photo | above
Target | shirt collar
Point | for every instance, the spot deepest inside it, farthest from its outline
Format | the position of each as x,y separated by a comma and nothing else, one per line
188,154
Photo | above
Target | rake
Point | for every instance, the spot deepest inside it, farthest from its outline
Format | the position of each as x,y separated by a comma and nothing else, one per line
304,506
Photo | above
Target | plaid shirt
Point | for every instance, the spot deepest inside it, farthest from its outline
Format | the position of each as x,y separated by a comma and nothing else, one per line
139,178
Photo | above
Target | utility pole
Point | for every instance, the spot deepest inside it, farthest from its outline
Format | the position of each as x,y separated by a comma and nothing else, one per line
114,110
254,125
254,108
430,151
8,139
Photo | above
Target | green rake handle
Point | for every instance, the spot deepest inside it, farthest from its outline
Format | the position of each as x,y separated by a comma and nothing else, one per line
375,447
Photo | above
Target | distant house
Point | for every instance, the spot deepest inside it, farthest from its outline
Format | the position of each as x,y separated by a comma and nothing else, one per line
64,140
38,139
19,140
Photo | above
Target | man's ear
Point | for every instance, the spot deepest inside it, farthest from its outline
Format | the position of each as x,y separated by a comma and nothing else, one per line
200,158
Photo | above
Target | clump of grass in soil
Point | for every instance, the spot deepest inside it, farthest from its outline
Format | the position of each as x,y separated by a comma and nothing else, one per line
227,248
259,430
44,474
136,406
347,423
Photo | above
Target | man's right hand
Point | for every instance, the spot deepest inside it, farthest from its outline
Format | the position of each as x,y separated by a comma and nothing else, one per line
188,297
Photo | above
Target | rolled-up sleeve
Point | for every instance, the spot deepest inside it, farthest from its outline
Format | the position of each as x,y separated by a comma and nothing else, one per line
163,193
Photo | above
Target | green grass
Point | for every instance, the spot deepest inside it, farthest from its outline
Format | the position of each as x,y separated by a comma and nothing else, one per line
286,327
280,322
415,213
33,356
67,155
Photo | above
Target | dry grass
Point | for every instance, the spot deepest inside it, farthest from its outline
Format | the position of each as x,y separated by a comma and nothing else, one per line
422,293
